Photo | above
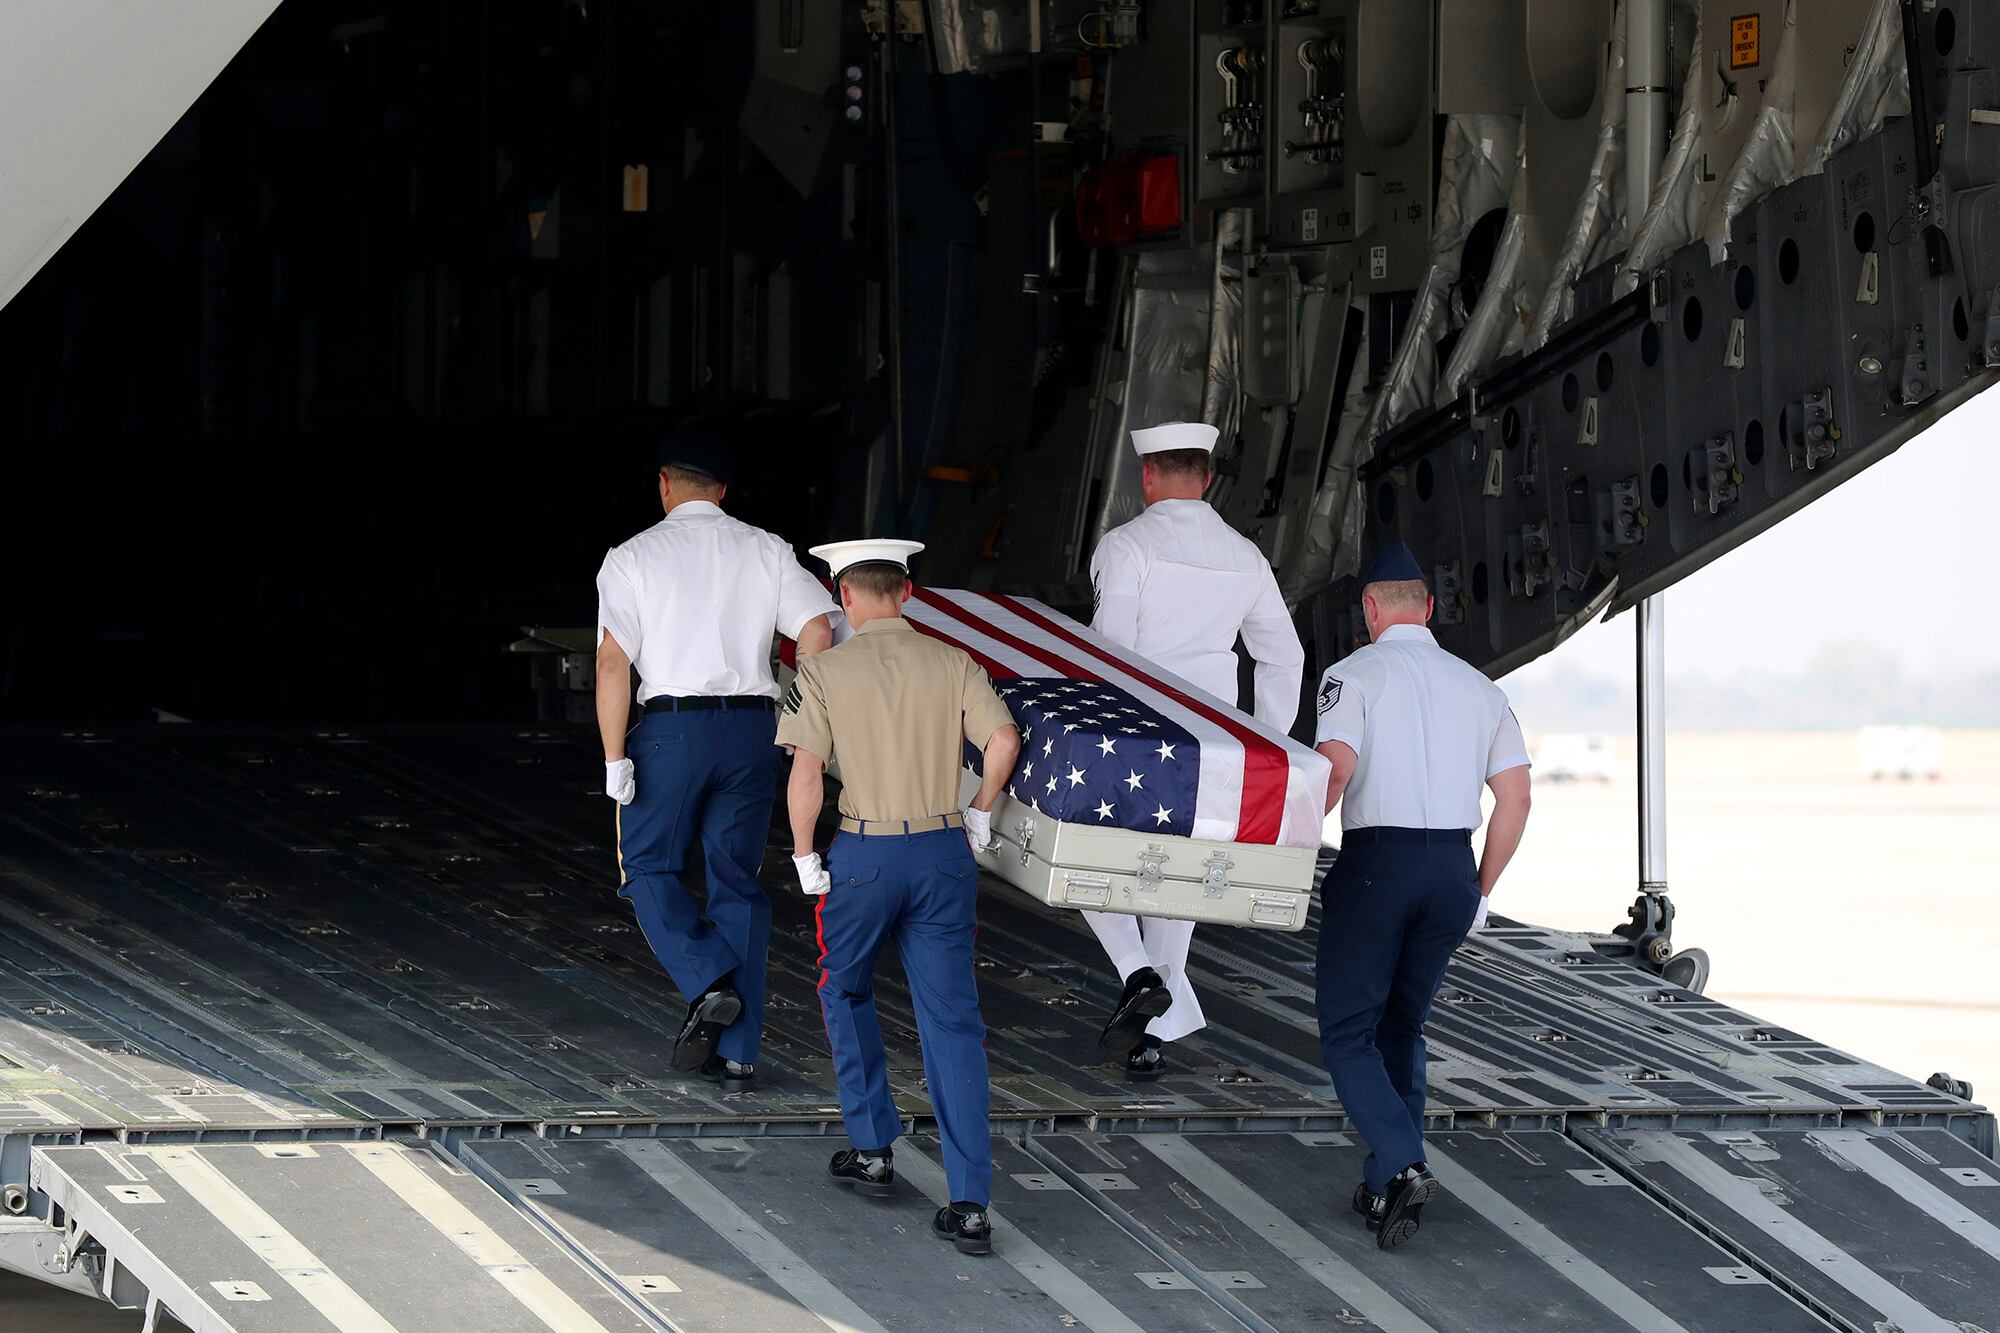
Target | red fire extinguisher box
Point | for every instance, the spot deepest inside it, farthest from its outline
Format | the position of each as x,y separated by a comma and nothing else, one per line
1135,194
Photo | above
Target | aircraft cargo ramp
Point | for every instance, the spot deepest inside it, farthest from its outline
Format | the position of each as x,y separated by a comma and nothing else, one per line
312,1030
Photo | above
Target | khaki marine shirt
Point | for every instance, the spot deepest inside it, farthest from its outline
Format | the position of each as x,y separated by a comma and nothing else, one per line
894,707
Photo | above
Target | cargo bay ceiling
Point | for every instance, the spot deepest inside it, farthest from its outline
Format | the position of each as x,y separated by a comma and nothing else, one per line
363,353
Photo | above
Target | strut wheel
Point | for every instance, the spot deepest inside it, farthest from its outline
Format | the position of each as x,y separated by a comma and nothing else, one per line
1687,969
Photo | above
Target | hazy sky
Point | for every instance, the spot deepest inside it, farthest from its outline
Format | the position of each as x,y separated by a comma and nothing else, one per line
1895,557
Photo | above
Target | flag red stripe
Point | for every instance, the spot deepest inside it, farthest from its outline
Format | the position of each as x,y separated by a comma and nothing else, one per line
1266,772
994,671
1063,666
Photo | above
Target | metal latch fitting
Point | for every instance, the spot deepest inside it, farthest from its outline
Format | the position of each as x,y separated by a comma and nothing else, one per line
1215,877
1150,873
1024,833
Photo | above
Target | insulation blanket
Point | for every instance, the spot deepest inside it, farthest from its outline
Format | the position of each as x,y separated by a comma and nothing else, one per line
1111,741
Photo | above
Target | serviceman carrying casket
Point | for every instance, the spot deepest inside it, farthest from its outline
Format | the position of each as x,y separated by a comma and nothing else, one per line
1177,585
693,602
896,709
1412,733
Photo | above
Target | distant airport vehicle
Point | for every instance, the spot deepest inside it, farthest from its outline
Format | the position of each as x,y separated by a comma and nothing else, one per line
1574,758
1901,752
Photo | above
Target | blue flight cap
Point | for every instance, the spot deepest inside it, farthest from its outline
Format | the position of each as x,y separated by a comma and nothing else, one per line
1393,563
699,446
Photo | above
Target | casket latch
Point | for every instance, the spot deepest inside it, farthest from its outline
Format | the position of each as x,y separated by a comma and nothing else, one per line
1151,873
1215,877
1024,833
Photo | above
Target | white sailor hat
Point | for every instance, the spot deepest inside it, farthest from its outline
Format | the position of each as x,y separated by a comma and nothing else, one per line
843,556
1174,435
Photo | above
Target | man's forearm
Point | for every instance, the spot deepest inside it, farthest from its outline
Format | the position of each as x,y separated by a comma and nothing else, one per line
1334,791
1003,748
614,706
805,794
1503,837
1342,760
816,636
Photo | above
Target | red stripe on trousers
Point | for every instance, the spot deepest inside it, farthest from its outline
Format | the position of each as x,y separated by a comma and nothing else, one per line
1266,771
819,935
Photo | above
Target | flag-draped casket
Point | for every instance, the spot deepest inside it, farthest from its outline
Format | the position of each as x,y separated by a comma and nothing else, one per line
1136,791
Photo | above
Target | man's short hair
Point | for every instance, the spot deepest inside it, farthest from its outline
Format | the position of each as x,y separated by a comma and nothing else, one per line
1398,592
687,479
1180,462
876,578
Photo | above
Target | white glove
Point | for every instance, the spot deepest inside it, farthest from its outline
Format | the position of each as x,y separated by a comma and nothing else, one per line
978,828
1479,917
619,782
812,875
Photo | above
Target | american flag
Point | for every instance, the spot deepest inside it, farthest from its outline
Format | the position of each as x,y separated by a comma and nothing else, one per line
1091,755
1125,743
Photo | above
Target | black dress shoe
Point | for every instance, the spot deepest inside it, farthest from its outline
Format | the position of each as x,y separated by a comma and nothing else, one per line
1145,999
871,1173
1146,1061
964,1225
1369,1206
733,1077
708,1015
1409,1190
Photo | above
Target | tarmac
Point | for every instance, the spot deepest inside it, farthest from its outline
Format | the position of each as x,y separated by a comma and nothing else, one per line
1863,912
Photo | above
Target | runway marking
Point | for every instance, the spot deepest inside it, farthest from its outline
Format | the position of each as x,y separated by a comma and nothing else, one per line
1866,1152
1284,1235
1055,1279
480,1243
1551,1249
1742,1195
282,1252
806,1284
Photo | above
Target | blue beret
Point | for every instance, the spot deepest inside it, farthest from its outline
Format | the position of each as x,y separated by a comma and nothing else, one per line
1393,563
699,446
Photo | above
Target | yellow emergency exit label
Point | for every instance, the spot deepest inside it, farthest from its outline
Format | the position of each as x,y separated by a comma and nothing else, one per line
1744,41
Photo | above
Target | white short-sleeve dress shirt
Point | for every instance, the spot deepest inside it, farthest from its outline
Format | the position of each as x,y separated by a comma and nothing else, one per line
694,600
1429,730
1177,584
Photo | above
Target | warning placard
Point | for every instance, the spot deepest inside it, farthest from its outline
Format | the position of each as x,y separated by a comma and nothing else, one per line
1744,43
